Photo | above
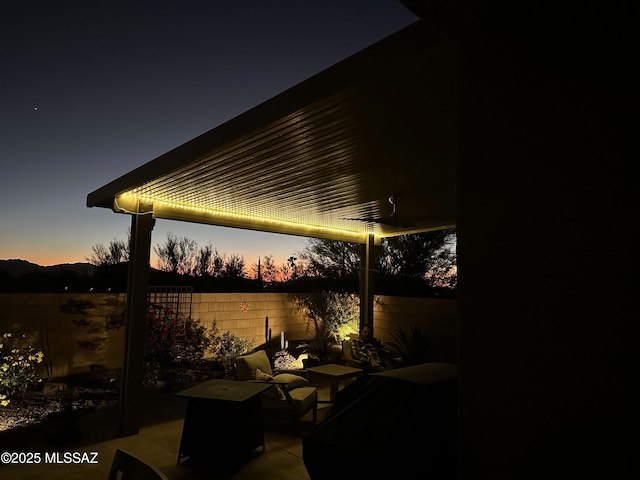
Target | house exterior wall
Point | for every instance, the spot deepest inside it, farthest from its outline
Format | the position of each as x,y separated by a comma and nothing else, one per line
76,331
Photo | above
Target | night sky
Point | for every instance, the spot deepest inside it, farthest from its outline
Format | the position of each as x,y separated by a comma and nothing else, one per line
90,90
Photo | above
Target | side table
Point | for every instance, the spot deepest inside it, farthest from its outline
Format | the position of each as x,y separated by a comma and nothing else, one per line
335,373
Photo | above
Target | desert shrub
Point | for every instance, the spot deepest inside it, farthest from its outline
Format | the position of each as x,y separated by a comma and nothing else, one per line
227,346
333,313
412,345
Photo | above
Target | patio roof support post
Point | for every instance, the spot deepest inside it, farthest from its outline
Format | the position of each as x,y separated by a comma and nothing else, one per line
137,289
366,282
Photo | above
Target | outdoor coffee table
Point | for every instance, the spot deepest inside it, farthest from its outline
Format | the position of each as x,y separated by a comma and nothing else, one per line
335,373
223,420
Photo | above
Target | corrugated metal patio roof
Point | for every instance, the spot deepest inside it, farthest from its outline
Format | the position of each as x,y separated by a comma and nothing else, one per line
322,158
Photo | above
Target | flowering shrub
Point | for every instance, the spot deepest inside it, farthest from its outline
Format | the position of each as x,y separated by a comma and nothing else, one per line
170,340
161,334
195,341
17,368
283,360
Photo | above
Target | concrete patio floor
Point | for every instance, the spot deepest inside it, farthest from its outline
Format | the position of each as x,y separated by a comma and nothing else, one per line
158,443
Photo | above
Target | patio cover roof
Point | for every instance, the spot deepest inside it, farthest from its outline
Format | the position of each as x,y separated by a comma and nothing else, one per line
323,156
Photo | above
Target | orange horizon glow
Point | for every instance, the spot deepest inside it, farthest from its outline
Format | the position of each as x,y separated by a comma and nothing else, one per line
45,260
52,259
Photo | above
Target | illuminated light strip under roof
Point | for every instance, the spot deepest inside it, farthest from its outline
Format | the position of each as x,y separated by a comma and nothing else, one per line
127,202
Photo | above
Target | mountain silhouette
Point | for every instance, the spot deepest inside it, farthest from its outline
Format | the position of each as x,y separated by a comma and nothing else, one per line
17,268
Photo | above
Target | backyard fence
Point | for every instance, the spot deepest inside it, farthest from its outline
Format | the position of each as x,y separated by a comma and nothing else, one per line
79,331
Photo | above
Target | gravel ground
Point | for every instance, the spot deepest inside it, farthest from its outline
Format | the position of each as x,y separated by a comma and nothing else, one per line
34,407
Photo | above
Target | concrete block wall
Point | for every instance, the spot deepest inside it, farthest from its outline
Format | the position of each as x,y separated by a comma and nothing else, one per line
438,317
245,314
79,330
74,331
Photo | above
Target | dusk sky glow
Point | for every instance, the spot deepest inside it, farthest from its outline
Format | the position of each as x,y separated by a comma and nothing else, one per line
92,90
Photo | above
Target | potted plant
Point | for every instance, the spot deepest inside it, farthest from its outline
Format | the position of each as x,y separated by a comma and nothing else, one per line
319,344
412,346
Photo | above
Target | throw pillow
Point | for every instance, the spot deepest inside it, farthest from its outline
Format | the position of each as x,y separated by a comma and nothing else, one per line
275,392
292,381
263,377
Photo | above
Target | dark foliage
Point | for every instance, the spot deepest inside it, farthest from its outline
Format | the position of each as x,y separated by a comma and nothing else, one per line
412,346
411,266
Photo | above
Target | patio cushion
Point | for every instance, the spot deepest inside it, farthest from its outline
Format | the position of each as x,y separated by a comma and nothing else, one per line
304,397
289,399
276,391
292,381
246,365
262,376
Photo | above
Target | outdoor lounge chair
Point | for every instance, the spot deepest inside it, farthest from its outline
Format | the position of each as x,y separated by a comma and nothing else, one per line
398,421
291,397
347,356
132,468
350,361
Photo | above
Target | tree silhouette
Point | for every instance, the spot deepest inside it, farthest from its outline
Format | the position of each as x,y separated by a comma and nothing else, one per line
331,258
115,252
234,267
417,264
430,256
422,264
177,255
